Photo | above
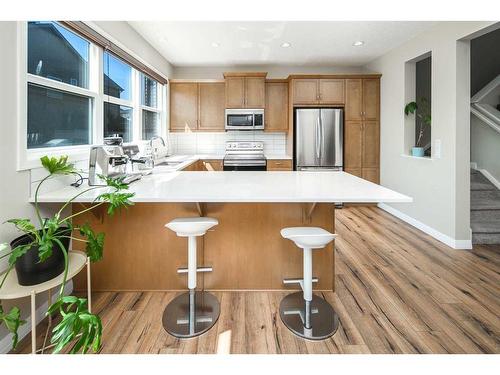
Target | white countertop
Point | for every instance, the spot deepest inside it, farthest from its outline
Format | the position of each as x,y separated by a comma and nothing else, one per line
165,185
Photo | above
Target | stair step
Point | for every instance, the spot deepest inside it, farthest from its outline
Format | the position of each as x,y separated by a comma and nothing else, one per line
486,238
479,182
486,226
477,216
485,200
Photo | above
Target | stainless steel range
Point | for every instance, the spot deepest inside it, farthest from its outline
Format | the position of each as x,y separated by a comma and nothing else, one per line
245,156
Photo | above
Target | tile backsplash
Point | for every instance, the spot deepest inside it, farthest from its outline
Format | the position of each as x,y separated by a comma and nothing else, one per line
214,143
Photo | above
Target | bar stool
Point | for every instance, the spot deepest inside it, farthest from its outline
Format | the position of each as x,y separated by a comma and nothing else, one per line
305,314
194,312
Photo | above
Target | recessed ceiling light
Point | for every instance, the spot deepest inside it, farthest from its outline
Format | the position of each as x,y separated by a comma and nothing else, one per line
285,45
358,43
215,44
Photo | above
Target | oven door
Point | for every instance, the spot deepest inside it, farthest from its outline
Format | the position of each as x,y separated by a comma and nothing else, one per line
244,165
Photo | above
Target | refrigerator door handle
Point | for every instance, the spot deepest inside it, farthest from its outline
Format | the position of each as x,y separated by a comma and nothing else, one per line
317,138
338,138
322,134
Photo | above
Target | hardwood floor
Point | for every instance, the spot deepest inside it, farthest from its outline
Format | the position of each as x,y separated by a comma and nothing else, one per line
398,291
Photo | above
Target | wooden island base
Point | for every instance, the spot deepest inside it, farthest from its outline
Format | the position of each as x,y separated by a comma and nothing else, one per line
245,250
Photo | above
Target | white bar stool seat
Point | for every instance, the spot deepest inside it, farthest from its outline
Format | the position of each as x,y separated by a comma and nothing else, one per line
305,314
195,312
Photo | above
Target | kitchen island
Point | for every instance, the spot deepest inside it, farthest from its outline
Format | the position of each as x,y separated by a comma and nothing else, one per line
245,250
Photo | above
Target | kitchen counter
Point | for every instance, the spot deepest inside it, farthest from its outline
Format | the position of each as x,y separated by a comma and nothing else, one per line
168,185
245,249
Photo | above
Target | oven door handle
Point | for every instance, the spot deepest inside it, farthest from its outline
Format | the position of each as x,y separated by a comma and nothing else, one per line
245,164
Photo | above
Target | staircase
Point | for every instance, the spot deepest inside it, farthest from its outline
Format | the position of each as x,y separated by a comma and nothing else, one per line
485,210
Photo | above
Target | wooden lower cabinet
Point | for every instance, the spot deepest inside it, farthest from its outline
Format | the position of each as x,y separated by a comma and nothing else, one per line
245,250
371,144
370,174
192,167
212,165
279,165
354,171
205,166
361,149
353,144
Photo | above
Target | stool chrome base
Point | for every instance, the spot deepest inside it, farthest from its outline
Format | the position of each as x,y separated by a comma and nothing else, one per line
324,321
191,314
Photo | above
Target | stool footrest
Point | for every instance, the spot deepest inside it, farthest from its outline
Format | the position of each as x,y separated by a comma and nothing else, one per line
298,281
199,269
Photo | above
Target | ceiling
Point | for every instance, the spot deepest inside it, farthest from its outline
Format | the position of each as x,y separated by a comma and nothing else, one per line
259,43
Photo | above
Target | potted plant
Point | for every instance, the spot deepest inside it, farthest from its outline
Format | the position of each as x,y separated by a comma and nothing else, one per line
78,327
422,111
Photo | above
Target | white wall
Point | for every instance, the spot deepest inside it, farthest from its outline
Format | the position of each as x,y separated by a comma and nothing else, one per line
273,71
485,147
14,185
215,143
439,186
134,43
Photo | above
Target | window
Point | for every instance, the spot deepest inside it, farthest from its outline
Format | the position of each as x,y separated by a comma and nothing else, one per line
117,77
150,111
118,121
417,127
59,102
78,93
58,54
57,118
118,100
150,124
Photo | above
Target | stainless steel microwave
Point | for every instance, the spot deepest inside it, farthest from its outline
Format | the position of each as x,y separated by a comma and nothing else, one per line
244,119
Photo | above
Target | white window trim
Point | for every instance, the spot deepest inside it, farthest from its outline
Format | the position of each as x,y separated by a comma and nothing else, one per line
30,158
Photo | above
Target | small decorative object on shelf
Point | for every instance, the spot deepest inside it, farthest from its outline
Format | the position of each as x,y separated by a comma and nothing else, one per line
78,328
422,111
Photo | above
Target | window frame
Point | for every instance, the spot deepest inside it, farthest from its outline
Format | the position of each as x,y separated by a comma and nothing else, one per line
30,158
161,94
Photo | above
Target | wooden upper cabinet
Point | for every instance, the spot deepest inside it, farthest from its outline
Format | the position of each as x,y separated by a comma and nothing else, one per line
183,106
235,92
276,111
331,91
371,99
318,91
245,90
255,92
212,102
353,145
305,91
353,100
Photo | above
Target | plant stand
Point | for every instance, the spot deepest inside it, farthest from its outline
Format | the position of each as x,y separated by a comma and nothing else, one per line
12,290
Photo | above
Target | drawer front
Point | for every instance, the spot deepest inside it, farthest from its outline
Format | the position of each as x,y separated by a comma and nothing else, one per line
279,165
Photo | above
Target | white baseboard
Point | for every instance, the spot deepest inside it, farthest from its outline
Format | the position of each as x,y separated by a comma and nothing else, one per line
447,240
490,177
24,330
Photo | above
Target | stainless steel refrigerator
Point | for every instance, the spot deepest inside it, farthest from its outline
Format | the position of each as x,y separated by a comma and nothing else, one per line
319,138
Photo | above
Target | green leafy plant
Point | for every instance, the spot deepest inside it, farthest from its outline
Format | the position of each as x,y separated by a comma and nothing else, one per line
78,327
422,110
